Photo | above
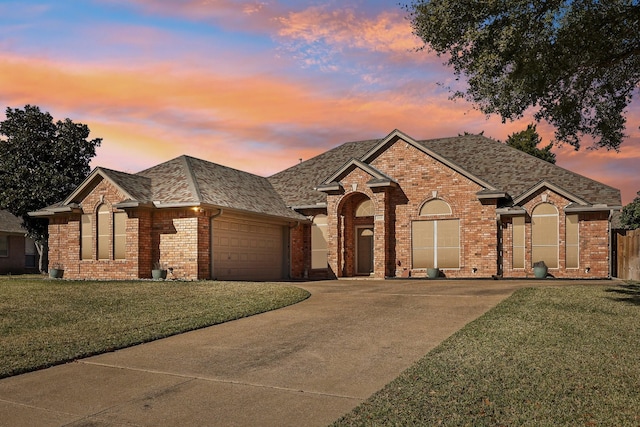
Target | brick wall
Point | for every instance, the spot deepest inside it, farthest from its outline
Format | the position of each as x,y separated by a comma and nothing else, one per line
177,238
420,179
593,232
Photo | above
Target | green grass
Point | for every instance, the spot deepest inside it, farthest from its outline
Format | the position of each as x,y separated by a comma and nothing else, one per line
544,357
45,322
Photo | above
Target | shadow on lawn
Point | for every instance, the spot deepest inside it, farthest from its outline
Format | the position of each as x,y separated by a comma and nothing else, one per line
629,293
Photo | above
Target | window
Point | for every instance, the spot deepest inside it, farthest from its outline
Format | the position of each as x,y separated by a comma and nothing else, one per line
436,244
30,251
518,242
4,246
119,235
435,207
86,237
365,209
319,246
572,231
544,235
104,231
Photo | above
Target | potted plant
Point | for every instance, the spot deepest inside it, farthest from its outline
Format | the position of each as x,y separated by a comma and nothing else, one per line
540,269
433,273
56,271
158,272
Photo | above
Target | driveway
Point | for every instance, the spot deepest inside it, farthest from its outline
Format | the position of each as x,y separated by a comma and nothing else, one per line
303,365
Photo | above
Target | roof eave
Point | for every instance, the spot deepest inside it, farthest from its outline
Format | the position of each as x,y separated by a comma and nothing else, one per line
592,208
128,204
381,183
552,187
511,211
332,186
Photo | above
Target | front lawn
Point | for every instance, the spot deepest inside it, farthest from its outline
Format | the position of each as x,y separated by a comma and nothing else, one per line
545,356
45,322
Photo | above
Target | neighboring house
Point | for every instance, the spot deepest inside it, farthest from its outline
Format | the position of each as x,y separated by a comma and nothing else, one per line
468,205
17,251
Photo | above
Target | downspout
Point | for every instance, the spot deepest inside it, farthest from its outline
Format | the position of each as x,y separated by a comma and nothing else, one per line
610,244
211,218
500,242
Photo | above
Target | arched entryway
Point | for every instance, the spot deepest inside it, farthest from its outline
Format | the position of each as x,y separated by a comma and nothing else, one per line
357,231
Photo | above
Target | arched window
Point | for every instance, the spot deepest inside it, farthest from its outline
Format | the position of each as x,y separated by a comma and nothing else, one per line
319,245
436,243
104,231
544,235
435,207
365,208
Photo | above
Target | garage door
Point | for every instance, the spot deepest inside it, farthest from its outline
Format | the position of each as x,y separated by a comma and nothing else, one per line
247,250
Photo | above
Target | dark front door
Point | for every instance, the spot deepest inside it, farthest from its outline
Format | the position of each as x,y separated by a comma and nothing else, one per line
364,250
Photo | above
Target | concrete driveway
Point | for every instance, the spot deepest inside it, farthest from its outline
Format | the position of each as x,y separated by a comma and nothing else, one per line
303,365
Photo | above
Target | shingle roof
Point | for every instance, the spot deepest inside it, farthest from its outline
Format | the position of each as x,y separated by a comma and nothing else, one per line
506,168
186,181
189,180
514,171
296,184
10,223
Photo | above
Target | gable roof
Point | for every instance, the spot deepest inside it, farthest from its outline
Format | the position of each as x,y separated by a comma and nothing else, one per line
296,184
183,182
500,169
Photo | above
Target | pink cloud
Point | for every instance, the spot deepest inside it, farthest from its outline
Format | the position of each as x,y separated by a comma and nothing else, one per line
152,112
387,32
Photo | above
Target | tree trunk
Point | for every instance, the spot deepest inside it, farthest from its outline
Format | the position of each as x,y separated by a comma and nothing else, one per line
43,256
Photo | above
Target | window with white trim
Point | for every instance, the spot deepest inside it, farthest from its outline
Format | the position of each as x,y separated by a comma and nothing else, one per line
435,243
119,235
518,241
104,231
86,236
572,239
544,235
319,244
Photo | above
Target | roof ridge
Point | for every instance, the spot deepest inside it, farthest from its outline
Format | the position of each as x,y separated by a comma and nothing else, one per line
219,165
191,178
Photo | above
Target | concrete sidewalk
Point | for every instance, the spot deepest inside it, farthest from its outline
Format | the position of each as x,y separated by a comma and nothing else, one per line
304,365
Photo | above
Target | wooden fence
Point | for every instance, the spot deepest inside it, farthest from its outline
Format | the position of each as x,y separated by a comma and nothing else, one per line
628,254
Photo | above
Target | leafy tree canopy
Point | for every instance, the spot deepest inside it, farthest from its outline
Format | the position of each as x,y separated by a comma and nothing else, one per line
575,62
41,162
527,140
631,214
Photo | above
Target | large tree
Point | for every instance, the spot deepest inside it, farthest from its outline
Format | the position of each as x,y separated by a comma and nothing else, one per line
41,162
630,217
527,140
575,63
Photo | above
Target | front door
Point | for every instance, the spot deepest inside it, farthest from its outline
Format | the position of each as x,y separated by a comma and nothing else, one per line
364,250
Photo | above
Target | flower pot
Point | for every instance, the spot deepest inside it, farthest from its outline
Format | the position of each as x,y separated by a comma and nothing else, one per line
56,273
540,272
433,273
159,274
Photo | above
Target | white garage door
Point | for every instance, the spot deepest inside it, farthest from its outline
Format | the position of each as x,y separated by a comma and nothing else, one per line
247,250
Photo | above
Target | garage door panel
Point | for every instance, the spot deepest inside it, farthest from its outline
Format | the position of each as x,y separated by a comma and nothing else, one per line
247,251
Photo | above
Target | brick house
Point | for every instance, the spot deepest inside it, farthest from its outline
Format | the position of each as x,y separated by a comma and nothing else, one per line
17,251
468,206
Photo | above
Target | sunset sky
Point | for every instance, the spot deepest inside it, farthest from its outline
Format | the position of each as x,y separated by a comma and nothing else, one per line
251,85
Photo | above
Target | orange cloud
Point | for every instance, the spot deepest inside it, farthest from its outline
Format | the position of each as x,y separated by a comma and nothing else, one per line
156,111
388,32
